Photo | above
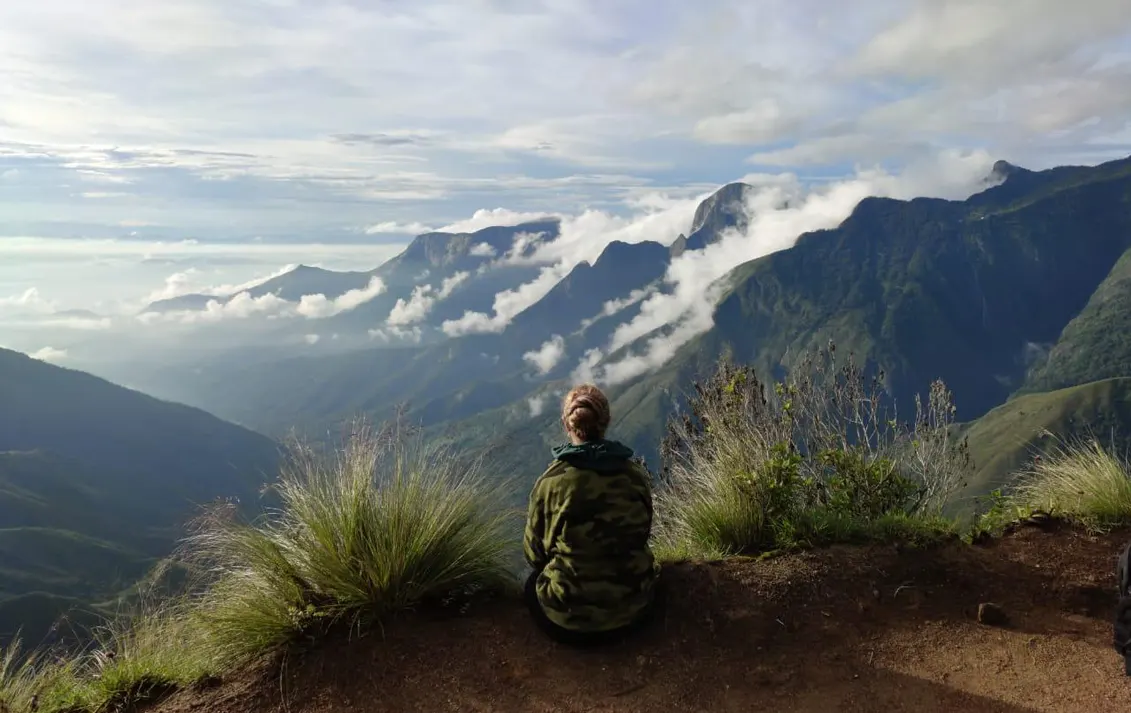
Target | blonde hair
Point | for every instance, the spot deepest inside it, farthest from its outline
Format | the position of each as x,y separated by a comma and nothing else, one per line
585,412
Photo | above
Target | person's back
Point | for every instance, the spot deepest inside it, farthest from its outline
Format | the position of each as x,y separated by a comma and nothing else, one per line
587,531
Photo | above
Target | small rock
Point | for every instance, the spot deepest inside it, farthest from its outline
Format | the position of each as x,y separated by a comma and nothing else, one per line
991,615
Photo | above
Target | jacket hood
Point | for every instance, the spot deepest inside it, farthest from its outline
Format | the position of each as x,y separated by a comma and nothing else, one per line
598,456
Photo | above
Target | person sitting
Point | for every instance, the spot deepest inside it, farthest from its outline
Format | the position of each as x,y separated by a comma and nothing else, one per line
594,577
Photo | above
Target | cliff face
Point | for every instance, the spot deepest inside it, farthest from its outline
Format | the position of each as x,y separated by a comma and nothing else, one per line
844,629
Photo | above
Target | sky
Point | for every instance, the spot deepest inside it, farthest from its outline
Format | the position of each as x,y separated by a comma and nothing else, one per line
156,147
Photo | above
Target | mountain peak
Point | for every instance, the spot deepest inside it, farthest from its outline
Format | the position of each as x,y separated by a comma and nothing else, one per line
728,200
1002,170
619,252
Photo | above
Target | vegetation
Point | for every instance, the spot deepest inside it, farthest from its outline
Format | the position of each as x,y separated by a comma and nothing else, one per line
1006,439
385,524
1080,481
819,459
1096,344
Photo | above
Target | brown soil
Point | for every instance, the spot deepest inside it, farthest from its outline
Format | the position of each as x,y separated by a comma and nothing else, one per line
842,629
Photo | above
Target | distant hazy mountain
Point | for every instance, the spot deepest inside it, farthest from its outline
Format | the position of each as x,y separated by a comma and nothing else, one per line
971,291
97,480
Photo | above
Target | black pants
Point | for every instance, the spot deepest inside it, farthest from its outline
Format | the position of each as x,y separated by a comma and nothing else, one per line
587,639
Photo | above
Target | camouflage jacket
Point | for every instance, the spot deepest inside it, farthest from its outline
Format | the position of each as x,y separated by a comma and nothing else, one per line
587,531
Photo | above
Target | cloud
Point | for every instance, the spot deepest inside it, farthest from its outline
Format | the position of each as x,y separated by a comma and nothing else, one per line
387,335
507,304
482,250
490,217
537,405
762,123
613,306
391,226
581,238
311,339
243,306
27,302
423,298
546,357
667,320
49,354
319,307
185,282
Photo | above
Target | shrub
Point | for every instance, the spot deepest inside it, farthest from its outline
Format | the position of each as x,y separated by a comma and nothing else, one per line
1080,481
819,457
385,524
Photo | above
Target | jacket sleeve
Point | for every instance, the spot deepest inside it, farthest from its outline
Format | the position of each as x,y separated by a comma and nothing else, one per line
535,537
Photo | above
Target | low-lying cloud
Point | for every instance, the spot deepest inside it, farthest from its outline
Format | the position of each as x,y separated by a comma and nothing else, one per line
581,238
49,354
243,306
422,300
546,357
687,310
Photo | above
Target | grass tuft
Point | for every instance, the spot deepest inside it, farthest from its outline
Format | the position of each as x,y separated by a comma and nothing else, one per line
385,524
1079,481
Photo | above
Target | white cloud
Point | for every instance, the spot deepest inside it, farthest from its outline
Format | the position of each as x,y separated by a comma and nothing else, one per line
581,237
490,217
49,354
10,175
387,335
546,357
537,405
674,318
311,339
613,306
319,307
422,300
27,302
765,122
482,250
391,226
508,304
243,306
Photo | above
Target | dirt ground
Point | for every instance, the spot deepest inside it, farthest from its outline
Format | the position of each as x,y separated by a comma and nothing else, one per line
843,629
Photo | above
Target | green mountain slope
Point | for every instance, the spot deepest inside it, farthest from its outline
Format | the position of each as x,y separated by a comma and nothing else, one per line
1096,344
1007,437
931,288
96,480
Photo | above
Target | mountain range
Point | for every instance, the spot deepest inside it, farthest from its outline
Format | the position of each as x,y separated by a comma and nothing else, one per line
1009,291
1018,296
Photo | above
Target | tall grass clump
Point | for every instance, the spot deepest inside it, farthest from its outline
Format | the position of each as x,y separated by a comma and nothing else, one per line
817,458
1081,481
385,523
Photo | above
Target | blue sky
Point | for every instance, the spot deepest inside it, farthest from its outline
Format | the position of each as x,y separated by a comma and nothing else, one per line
340,127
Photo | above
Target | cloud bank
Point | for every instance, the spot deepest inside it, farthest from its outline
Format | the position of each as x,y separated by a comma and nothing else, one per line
694,278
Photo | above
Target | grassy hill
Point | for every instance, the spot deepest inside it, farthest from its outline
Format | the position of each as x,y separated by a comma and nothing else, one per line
96,482
1007,438
1096,344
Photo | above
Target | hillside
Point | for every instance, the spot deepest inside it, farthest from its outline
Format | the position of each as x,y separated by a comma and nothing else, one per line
847,629
96,482
1095,344
1007,438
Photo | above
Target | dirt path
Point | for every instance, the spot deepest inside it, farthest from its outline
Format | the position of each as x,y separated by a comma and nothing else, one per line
845,629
